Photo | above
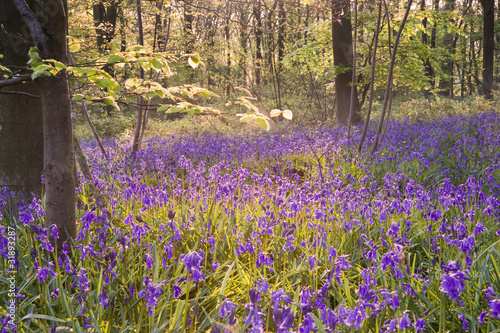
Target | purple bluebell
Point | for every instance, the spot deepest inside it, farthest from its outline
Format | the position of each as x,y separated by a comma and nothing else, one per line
283,319
228,308
452,284
404,322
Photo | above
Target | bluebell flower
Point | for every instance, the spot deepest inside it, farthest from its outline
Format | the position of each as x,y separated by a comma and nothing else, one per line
25,217
264,258
420,325
53,231
481,317
149,261
305,301
193,261
308,325
452,284
393,230
228,308
405,321
254,315
55,293
279,295
495,308
43,274
465,325
391,326
283,318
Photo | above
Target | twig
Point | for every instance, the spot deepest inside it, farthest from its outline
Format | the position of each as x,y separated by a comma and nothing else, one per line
19,93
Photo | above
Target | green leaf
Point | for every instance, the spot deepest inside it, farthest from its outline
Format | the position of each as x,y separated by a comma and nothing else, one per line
111,85
175,109
194,61
115,58
74,47
109,100
287,114
263,123
33,53
318,323
275,112
246,118
40,316
42,69
158,64
162,108
77,97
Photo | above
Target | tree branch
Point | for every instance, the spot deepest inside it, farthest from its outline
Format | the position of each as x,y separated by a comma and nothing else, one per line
15,80
19,93
36,30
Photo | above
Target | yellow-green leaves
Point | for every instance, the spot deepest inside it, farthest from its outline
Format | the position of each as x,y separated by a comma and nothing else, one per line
138,55
189,108
47,67
287,114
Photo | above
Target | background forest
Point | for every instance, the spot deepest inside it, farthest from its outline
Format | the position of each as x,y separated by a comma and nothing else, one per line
282,51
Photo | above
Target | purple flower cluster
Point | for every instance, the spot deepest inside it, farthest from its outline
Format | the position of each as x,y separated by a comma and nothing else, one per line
274,240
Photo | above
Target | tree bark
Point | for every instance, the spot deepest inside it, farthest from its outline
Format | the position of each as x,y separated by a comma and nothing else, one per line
342,59
446,84
139,120
48,29
488,46
258,41
21,135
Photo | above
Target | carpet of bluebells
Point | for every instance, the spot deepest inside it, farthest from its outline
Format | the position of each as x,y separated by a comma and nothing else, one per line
278,232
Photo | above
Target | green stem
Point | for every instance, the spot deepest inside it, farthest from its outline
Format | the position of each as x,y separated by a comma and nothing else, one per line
442,314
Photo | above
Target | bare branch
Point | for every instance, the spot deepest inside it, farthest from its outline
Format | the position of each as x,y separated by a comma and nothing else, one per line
15,80
19,93
36,30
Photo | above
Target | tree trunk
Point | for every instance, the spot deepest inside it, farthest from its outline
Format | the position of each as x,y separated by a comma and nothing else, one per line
188,26
59,158
105,22
429,71
258,41
342,57
446,83
488,46
139,120
21,135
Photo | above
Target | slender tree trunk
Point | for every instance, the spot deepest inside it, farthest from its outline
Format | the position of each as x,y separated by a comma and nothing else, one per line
446,83
243,45
227,35
388,89
433,39
258,41
139,120
353,78
188,26
281,32
372,77
488,46
429,71
342,57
